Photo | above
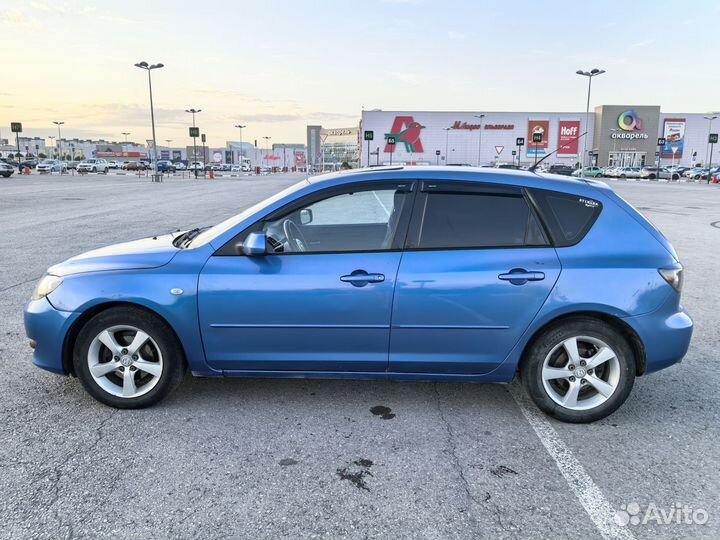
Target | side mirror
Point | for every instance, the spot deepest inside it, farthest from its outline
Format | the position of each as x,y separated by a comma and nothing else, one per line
306,216
255,244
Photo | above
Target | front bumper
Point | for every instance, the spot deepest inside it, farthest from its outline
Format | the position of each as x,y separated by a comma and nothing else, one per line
665,334
48,327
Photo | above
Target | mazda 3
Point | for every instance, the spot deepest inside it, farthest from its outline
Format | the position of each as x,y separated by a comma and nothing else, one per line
413,274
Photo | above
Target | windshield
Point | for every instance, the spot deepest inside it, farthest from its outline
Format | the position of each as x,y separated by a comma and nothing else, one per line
220,228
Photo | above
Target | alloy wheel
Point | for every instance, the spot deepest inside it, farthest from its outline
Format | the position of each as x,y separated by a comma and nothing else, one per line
580,373
125,361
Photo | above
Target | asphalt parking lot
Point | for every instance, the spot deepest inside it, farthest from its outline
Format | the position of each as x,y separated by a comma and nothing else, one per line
271,459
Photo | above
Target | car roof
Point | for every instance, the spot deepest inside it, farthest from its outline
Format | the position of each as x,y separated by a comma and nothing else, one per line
448,172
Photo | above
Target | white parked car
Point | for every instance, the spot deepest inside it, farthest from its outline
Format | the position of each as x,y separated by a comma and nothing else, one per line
112,164
196,165
93,165
179,166
51,165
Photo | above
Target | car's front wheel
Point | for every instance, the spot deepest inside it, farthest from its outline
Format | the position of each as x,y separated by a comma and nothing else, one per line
579,371
128,358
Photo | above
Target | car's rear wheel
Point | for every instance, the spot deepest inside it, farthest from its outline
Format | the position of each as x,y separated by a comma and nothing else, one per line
579,371
128,358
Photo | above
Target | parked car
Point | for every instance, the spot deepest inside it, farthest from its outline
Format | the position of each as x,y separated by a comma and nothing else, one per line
179,166
6,170
386,292
135,166
93,165
699,173
10,161
558,168
71,164
196,165
590,172
654,173
165,166
112,164
628,172
29,162
51,165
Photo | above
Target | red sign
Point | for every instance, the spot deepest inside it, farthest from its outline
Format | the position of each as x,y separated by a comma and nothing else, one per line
464,125
299,158
542,127
568,138
405,130
121,154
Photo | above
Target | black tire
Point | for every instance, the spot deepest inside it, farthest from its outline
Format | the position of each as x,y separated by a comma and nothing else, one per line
174,364
94,169
531,368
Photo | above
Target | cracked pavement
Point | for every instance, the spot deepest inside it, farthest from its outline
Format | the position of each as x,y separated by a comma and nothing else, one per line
259,459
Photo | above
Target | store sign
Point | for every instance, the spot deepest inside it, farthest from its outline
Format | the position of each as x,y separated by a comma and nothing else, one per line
499,126
299,158
405,130
674,134
464,125
337,132
568,138
538,133
629,124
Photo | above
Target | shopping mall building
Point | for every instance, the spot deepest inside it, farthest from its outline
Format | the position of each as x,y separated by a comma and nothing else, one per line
624,135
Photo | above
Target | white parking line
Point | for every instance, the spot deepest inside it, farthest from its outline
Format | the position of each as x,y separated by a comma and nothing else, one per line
588,493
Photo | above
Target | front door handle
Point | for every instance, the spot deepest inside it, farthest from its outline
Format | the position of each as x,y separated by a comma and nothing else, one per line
360,278
520,276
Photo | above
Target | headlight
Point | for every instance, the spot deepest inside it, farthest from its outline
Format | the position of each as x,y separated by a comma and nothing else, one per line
674,277
45,286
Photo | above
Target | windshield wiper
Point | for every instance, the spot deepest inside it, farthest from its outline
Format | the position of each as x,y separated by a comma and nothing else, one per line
186,238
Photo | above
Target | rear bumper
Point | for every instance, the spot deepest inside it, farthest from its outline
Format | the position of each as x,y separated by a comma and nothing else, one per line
665,334
47,327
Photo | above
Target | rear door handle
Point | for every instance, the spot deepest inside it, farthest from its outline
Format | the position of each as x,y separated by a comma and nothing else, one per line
520,276
360,278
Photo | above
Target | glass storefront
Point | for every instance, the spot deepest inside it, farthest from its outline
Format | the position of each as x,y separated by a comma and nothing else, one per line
626,159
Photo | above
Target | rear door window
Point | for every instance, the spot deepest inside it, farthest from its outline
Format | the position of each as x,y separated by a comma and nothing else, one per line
568,217
456,217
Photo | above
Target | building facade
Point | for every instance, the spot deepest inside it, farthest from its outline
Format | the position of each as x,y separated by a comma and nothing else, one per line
624,135
329,148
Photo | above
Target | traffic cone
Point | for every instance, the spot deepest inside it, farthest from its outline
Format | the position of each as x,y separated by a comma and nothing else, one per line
212,174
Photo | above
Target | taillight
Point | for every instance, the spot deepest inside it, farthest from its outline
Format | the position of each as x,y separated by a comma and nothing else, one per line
674,277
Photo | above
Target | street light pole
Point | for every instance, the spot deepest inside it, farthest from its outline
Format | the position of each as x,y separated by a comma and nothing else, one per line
480,116
589,74
267,139
149,67
59,143
193,112
126,133
447,131
242,152
708,151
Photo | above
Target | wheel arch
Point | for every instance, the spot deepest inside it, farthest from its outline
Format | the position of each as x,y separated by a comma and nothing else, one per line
634,341
74,330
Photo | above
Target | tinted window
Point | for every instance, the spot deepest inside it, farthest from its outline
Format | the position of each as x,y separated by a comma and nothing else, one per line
477,220
568,217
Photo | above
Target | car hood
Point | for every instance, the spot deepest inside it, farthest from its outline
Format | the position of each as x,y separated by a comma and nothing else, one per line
139,254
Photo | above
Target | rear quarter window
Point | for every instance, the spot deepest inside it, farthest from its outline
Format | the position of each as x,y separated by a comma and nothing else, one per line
567,217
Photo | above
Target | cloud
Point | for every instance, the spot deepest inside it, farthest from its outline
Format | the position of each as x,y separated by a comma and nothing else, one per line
404,77
643,43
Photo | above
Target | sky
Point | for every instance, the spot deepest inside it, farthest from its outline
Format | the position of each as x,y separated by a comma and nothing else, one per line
277,66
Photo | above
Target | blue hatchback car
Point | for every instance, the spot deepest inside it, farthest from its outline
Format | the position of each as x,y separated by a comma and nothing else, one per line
416,274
